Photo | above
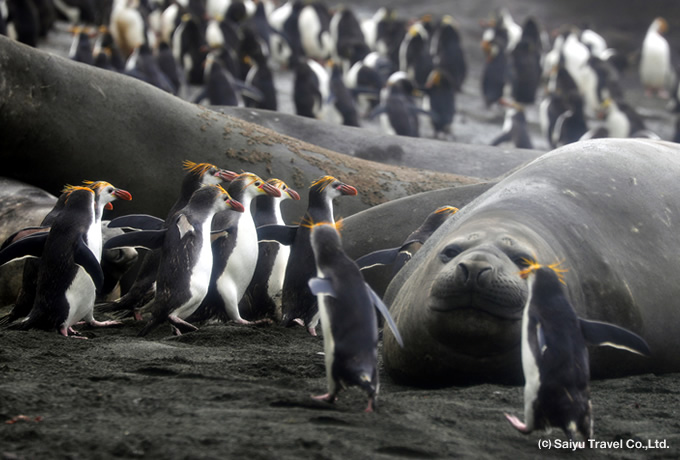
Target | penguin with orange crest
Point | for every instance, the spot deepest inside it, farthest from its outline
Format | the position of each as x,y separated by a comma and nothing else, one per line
298,304
348,319
186,257
105,194
142,291
555,358
69,273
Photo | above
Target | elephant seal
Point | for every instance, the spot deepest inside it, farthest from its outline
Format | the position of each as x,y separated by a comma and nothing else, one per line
608,208
21,205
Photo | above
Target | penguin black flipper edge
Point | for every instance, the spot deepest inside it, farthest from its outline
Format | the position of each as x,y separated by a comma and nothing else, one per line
30,246
147,239
23,233
379,257
137,221
605,334
382,308
284,234
84,257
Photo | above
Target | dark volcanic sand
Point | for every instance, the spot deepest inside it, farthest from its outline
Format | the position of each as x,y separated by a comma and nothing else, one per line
231,391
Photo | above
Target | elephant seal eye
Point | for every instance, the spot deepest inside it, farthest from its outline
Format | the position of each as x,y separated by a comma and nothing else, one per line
449,253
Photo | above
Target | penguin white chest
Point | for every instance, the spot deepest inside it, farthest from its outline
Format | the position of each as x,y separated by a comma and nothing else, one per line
243,260
275,285
94,240
532,375
328,341
80,296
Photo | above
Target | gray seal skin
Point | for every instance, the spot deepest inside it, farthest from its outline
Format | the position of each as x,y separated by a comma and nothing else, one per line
608,208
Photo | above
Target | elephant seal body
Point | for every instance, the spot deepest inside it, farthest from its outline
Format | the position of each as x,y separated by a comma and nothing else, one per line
608,208
21,205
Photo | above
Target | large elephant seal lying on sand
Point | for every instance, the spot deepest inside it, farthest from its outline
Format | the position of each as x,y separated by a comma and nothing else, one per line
610,209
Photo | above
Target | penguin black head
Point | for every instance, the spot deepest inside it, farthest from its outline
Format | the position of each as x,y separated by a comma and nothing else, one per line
326,242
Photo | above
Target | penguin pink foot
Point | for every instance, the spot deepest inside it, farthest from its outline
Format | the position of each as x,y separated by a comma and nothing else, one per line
179,325
95,323
326,397
517,423
70,332
311,329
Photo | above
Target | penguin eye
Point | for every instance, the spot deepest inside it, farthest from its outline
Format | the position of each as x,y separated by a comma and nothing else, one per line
258,183
450,252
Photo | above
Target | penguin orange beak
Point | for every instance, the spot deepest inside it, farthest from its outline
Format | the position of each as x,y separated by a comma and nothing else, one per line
122,195
226,175
235,205
347,189
270,189
293,194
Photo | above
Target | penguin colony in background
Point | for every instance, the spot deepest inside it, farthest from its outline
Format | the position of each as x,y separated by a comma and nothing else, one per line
348,69
207,259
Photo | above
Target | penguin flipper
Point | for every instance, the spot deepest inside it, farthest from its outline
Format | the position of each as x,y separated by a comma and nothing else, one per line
377,111
24,232
137,221
321,286
503,137
605,334
382,308
84,257
30,246
147,239
380,257
284,234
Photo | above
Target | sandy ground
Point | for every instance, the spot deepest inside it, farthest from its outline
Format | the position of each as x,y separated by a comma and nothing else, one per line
229,391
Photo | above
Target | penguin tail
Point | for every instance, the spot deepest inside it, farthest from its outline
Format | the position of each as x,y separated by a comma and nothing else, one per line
6,320
126,306
152,324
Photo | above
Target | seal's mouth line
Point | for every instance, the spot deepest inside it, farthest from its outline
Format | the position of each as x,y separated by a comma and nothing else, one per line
441,306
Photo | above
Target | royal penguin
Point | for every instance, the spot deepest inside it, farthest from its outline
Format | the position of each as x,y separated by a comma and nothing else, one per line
298,304
414,54
263,296
526,64
398,110
142,65
261,77
366,78
314,28
348,318
497,73
555,358
399,256
142,290
515,129
656,71
127,26
349,45
190,48
106,53
235,251
81,47
621,119
69,273
447,51
105,194
341,104
310,88
186,259
23,22
440,100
